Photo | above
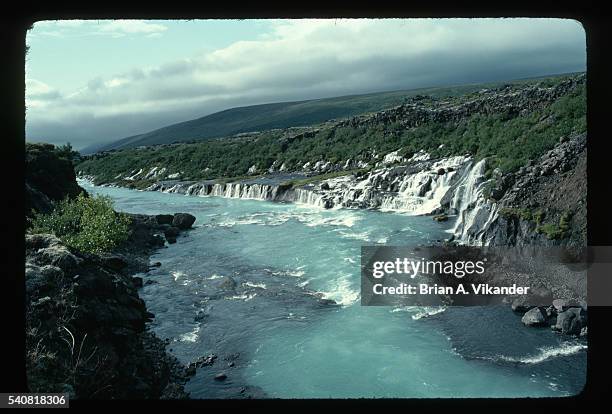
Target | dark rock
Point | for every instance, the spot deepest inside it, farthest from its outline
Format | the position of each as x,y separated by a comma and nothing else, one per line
324,186
114,262
137,281
191,370
164,218
49,176
172,231
440,217
156,240
220,377
206,360
534,317
200,316
227,283
156,264
571,321
150,282
525,303
183,220
441,171
562,305
174,391
50,251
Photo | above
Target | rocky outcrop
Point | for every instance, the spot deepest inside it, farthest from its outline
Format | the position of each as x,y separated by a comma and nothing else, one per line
543,203
566,316
86,328
49,177
506,100
534,317
183,221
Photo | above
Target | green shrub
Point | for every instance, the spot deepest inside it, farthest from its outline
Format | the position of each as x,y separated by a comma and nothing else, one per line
551,231
523,213
87,224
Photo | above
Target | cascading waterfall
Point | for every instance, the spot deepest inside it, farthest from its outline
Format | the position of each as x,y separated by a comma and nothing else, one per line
254,191
474,212
422,192
416,193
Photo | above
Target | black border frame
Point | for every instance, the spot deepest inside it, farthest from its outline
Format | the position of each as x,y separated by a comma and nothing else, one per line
594,19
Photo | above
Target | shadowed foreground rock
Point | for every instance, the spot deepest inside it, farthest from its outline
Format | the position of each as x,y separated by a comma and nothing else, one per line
86,328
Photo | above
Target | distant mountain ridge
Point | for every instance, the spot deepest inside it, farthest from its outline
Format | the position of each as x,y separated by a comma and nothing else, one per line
282,115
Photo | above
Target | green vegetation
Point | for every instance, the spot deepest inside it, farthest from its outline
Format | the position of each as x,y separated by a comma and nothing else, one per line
87,224
508,141
294,114
553,231
522,213
440,217
556,231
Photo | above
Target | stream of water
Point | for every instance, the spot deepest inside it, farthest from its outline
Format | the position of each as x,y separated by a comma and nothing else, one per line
274,334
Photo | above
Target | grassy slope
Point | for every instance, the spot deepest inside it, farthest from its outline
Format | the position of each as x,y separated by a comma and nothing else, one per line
282,115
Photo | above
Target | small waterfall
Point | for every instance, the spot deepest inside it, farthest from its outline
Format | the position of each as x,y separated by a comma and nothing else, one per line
254,191
422,192
474,212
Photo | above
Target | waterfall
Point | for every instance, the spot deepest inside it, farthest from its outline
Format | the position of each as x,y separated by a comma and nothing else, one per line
254,191
422,192
412,191
474,212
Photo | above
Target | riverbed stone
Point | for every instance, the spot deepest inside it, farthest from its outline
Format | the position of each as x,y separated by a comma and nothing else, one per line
227,283
183,221
534,317
221,377
164,218
571,321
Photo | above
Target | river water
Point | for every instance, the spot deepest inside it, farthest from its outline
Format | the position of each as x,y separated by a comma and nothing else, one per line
275,335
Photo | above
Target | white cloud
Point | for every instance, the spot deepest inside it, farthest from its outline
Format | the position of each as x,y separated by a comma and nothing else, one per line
131,27
113,28
303,59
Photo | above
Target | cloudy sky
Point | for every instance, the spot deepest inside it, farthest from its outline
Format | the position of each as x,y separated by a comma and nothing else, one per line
101,80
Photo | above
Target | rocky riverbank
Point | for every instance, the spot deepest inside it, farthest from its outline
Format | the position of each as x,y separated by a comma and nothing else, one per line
86,326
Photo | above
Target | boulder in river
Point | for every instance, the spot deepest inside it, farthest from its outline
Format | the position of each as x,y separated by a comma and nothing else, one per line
571,321
534,317
164,218
183,221
227,283
172,232
220,377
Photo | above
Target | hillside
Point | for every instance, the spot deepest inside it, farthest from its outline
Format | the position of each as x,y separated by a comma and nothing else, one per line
487,124
466,156
284,115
